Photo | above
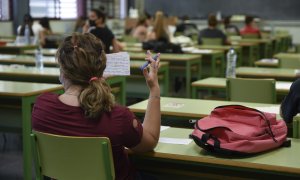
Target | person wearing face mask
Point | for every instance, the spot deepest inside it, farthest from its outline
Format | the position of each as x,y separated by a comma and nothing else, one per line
96,26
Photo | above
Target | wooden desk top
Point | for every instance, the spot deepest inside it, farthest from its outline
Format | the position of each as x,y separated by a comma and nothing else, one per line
283,160
20,70
45,51
220,83
260,72
167,57
21,89
190,108
26,60
219,47
13,46
287,56
267,63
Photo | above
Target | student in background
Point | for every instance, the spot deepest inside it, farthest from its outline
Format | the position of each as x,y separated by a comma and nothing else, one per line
212,31
87,107
229,28
27,20
96,26
141,30
250,27
290,106
44,32
159,32
80,22
186,28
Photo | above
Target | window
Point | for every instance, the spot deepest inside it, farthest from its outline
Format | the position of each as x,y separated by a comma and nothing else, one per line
4,10
62,9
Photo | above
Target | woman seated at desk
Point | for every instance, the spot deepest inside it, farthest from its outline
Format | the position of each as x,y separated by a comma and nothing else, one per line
212,31
290,106
159,32
87,107
250,28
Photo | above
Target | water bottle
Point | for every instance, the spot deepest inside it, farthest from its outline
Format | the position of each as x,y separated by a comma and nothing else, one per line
39,59
231,63
27,34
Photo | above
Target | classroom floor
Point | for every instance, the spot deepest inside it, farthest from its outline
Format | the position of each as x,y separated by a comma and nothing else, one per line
11,167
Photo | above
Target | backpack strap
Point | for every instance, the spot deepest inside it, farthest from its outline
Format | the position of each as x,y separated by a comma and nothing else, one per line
205,137
287,143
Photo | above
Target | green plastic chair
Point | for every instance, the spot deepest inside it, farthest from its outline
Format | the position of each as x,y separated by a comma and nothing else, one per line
251,90
250,36
289,63
212,41
296,126
130,39
72,158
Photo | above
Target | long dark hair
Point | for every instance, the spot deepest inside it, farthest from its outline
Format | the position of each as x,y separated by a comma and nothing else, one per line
27,20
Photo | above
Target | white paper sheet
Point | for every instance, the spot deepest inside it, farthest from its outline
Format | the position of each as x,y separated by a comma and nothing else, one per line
174,140
273,61
283,85
117,64
174,105
269,109
162,128
202,51
7,56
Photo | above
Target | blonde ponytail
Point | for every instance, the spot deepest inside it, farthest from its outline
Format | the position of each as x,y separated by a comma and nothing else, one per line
96,98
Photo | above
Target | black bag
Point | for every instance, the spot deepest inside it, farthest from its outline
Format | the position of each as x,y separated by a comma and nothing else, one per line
161,47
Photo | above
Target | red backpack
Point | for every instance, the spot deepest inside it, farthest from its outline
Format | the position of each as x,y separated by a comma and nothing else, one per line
239,130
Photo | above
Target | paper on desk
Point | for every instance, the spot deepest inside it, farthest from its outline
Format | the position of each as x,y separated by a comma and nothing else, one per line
174,140
173,105
283,85
269,109
202,51
162,128
117,64
273,61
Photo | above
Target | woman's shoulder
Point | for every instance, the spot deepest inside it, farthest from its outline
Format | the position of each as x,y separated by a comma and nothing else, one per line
47,98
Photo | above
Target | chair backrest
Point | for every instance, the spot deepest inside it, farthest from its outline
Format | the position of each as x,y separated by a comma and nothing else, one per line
251,90
296,126
289,63
72,158
212,41
250,36
130,39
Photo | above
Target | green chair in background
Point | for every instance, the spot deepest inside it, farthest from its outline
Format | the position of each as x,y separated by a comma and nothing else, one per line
72,158
296,126
289,63
250,36
212,41
130,39
251,90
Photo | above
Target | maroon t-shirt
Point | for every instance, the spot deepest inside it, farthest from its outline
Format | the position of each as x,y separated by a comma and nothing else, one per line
50,115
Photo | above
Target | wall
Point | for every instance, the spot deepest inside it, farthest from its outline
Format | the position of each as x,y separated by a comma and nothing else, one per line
6,28
199,9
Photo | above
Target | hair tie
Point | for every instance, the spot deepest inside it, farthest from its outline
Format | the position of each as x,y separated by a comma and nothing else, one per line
93,79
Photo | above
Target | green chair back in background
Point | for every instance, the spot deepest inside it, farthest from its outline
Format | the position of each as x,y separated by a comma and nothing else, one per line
250,36
72,158
130,39
251,90
289,63
212,41
296,126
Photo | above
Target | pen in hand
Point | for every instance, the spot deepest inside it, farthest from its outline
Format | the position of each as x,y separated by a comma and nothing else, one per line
147,63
